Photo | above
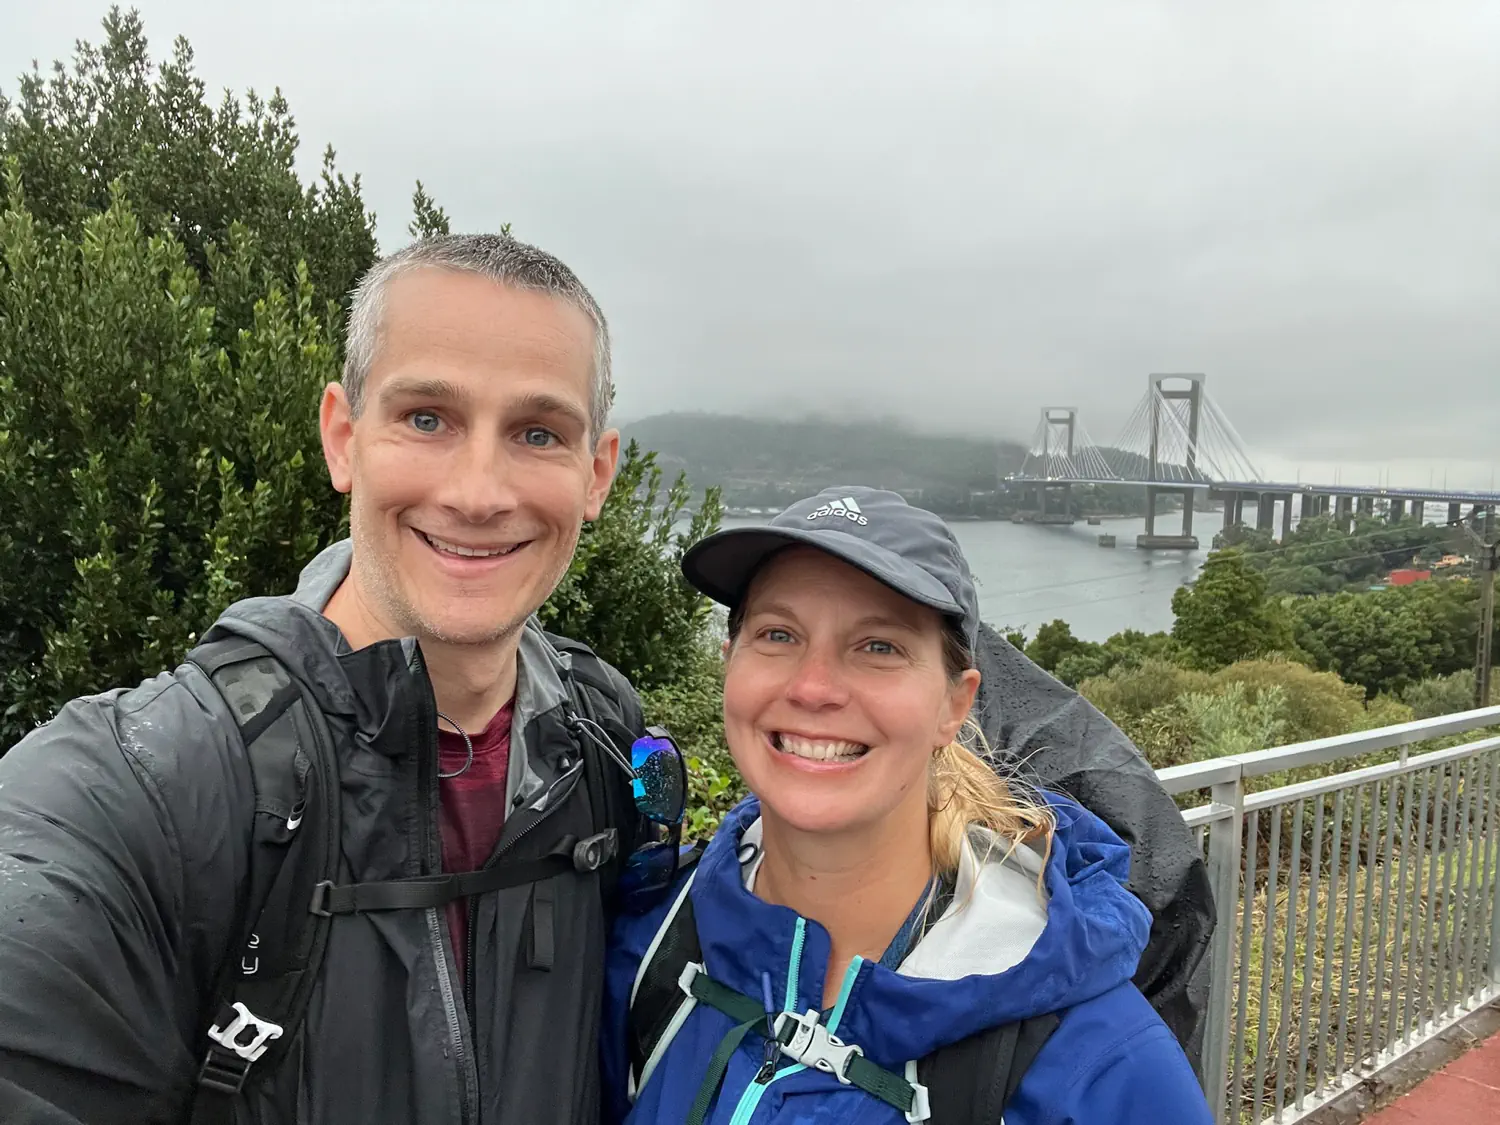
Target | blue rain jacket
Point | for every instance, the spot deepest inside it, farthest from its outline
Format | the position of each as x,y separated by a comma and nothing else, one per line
1001,952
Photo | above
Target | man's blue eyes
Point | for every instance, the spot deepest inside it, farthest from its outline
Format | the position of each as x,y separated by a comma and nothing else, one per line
426,422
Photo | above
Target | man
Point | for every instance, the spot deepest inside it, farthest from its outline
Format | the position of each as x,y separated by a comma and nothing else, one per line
469,432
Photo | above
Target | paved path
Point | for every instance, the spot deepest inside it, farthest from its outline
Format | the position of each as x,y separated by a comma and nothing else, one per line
1466,1090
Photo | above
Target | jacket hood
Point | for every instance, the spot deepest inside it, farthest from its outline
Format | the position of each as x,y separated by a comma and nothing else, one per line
1004,949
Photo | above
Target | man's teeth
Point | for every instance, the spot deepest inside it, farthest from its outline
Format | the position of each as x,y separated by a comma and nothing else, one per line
818,750
467,552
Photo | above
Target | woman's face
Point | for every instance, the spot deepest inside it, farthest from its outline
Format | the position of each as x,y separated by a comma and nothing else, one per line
835,695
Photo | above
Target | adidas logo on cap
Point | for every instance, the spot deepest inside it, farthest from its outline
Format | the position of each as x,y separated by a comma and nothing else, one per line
845,507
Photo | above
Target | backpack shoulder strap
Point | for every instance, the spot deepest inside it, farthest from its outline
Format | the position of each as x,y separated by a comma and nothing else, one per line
972,1081
658,1004
595,690
262,989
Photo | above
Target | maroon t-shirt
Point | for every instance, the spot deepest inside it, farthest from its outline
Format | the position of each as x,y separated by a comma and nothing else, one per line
473,810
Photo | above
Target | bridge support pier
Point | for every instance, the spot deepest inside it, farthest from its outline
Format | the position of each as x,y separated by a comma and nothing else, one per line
1366,505
1060,510
1344,512
1151,541
1265,511
1286,517
1234,509
1455,513
1398,510
1419,511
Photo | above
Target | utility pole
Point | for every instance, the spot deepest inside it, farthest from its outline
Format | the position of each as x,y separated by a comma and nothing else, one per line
1488,561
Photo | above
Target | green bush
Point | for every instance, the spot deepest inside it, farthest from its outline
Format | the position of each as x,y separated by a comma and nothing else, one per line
1311,704
1441,695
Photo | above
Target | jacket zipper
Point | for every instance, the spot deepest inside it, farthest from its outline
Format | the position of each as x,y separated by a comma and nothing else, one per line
426,770
554,802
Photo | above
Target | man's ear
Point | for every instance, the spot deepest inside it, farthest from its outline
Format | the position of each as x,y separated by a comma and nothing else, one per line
602,473
336,427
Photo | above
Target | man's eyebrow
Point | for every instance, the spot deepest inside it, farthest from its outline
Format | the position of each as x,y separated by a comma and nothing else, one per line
540,402
440,389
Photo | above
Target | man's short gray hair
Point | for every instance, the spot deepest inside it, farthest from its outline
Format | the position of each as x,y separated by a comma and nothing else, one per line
498,257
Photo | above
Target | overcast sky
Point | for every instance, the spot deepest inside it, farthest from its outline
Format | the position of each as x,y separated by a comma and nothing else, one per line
957,213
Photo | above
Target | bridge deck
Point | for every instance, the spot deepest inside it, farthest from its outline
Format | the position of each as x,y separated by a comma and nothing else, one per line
1282,488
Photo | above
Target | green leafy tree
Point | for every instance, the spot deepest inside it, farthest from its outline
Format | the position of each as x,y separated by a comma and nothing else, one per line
428,219
150,475
1226,616
1055,641
1388,640
199,173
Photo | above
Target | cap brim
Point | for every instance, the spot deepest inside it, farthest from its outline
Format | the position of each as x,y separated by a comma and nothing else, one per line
722,565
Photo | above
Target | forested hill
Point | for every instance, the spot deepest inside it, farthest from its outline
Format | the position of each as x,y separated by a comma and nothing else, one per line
768,462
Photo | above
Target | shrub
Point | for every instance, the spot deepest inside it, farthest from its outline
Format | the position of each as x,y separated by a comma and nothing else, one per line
1441,695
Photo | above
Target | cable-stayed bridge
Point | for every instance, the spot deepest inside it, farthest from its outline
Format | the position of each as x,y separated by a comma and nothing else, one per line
1179,442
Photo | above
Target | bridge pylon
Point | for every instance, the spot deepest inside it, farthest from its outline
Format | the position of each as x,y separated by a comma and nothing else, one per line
1051,468
1170,430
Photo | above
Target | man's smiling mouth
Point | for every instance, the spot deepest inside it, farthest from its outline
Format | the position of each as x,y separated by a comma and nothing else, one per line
459,550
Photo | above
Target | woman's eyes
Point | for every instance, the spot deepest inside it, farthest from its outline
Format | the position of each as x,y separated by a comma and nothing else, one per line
873,647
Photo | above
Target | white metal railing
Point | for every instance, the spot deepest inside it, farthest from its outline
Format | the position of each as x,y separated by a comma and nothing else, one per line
1358,914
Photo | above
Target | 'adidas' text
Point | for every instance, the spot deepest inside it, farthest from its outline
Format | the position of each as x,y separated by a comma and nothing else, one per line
845,507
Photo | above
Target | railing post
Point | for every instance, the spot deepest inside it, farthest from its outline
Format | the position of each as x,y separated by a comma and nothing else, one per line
1224,836
1494,965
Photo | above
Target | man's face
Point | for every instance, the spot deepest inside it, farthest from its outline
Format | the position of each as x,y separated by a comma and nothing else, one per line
470,467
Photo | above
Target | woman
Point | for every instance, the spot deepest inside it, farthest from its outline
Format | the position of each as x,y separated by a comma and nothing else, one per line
886,930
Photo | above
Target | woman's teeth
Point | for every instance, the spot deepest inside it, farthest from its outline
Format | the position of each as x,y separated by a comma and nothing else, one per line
818,750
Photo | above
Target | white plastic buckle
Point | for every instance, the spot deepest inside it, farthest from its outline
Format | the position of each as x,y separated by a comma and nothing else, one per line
921,1105
812,1045
686,978
229,1037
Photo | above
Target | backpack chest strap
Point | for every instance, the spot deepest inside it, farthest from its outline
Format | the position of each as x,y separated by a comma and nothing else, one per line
804,1039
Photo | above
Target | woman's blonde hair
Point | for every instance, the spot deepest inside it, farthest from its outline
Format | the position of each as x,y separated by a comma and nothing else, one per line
966,788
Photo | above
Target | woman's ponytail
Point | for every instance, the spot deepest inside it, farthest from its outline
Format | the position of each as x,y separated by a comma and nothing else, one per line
965,790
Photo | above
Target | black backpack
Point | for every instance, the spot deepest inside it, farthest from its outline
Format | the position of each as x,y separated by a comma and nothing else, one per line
262,990
965,1083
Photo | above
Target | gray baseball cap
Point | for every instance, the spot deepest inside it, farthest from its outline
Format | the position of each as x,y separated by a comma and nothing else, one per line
908,548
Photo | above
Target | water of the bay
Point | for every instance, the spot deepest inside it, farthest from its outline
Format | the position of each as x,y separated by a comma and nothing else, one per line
1029,574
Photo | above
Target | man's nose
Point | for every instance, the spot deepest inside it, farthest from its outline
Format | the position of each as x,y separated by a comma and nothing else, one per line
480,482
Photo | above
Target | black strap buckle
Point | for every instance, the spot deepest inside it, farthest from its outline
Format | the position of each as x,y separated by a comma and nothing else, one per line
594,852
223,1071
